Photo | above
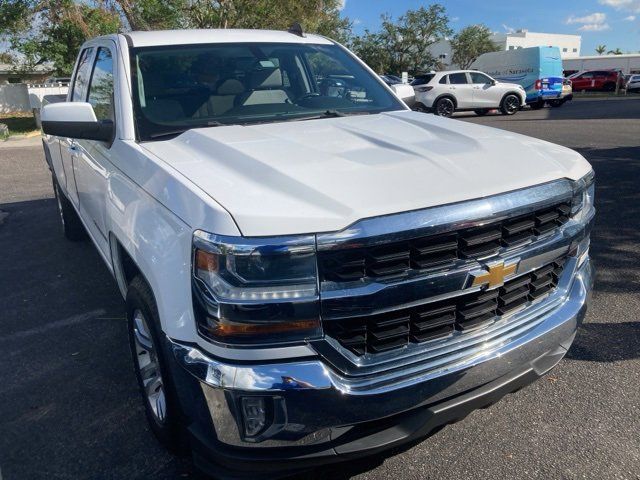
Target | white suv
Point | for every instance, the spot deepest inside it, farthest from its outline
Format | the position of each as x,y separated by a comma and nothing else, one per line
445,92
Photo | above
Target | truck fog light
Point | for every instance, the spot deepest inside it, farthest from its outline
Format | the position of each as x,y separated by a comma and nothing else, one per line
254,414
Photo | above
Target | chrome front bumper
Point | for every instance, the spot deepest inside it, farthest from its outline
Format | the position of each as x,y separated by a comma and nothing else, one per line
319,409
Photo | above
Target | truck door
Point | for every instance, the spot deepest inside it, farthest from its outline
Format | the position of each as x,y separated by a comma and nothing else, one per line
485,93
68,146
92,163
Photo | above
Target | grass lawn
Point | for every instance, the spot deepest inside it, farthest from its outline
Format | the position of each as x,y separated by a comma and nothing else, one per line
19,123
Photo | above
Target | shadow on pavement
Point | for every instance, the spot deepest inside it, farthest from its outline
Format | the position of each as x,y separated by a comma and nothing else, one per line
606,342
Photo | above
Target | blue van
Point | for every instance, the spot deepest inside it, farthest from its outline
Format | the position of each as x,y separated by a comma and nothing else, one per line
537,69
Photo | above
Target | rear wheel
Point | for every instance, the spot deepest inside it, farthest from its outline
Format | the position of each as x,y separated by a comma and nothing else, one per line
609,87
556,103
72,227
151,365
445,107
510,104
481,112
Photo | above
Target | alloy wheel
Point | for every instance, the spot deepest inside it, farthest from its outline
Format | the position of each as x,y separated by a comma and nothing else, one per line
149,367
511,104
445,107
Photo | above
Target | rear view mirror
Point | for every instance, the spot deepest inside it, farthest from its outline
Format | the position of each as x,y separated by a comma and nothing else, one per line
405,92
75,120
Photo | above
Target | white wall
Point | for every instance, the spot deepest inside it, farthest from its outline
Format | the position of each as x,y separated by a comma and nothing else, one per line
14,97
20,97
523,39
37,92
626,63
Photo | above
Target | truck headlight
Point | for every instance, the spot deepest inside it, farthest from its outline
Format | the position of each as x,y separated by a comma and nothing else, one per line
583,197
256,290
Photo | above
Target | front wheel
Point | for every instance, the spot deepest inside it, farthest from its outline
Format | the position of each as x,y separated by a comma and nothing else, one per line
151,365
445,107
510,104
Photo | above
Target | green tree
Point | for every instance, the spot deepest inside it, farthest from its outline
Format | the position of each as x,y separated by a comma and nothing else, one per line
617,51
51,31
408,39
600,49
371,49
317,16
469,43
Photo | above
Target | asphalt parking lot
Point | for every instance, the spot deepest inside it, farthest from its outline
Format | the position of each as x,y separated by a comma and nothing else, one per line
69,406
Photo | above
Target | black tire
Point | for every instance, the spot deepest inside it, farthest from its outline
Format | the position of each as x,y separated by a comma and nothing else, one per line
72,227
556,103
140,300
445,107
510,104
537,105
609,87
481,112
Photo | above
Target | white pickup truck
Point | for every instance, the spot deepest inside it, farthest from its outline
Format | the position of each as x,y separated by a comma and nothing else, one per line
312,271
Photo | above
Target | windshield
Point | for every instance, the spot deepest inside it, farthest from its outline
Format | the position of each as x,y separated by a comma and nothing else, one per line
181,87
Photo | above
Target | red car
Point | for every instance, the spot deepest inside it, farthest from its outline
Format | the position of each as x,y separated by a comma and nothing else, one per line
603,80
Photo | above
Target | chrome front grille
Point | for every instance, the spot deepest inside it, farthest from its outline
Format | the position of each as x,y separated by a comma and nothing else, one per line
394,259
399,328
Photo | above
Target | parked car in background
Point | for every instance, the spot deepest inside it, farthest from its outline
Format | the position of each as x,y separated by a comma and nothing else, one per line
443,93
537,69
312,272
595,80
633,84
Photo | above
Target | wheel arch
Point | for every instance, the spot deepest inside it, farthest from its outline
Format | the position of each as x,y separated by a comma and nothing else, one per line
513,92
445,95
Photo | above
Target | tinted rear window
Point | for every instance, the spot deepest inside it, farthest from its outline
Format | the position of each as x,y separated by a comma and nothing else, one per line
423,79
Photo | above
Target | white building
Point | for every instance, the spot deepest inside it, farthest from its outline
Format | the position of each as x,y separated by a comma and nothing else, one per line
628,63
569,45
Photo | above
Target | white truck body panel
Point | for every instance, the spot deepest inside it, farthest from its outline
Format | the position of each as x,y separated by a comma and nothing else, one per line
273,179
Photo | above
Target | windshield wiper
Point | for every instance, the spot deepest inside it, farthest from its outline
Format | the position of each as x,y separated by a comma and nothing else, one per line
171,133
327,114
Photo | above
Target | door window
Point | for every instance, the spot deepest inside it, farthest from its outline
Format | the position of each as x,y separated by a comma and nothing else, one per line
458,79
82,75
477,77
101,86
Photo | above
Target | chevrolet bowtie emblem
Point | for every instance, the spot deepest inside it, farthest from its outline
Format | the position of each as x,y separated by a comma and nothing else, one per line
495,275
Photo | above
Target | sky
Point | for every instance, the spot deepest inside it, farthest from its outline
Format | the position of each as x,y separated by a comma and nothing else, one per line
614,23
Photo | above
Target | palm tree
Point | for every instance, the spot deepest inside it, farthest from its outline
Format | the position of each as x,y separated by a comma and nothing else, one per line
600,49
617,51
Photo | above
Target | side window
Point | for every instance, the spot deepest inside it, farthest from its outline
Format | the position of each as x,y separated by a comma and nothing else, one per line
443,80
82,75
101,86
458,78
477,77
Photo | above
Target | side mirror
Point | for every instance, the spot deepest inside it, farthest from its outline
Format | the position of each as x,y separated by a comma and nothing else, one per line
404,92
492,82
75,120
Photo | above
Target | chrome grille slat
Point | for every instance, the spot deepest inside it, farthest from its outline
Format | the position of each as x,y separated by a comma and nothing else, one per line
440,251
467,312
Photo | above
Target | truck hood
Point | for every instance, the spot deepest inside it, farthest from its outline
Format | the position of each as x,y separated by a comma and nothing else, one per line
322,175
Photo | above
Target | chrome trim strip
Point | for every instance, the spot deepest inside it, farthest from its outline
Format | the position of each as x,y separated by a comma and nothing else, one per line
456,216
314,374
339,301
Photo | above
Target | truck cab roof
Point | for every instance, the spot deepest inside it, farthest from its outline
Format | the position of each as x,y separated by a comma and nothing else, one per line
204,36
